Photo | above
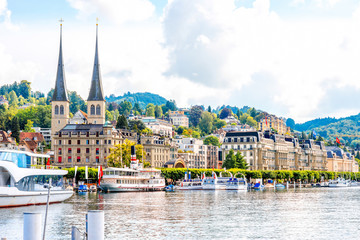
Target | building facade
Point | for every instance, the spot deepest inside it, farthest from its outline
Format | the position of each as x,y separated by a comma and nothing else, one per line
273,122
158,126
157,150
340,161
178,118
266,151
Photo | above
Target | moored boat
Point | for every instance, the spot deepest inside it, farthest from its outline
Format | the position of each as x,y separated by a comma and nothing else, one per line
339,182
238,184
22,184
214,182
190,184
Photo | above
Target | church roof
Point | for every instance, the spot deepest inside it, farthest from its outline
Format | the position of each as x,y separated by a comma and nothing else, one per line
96,89
60,92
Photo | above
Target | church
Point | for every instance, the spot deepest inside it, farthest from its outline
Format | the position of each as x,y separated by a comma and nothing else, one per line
87,142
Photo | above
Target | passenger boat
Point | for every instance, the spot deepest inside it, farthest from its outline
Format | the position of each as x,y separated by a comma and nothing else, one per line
133,179
236,184
258,186
22,183
190,184
214,182
339,182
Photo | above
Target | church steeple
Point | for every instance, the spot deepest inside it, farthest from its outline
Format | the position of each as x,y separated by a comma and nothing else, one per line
60,92
96,90
96,102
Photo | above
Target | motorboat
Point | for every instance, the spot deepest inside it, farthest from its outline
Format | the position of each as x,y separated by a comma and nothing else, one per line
169,188
190,184
214,182
258,186
238,184
339,182
279,186
23,182
133,179
93,188
83,188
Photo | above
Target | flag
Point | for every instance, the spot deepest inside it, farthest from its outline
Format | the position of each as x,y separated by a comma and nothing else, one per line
266,120
100,173
48,164
86,172
203,175
314,134
189,175
338,141
76,167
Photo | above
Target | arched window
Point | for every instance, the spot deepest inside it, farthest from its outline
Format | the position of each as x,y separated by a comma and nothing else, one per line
56,110
61,110
92,110
98,110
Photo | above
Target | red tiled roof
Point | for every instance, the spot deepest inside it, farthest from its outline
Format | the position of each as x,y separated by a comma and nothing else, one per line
32,145
83,113
31,135
5,137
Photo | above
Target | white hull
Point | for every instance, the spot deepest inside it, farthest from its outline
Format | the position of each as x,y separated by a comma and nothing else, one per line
107,187
338,185
190,188
237,188
12,197
214,187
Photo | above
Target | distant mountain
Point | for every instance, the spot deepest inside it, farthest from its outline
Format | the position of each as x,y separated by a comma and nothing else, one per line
347,128
142,98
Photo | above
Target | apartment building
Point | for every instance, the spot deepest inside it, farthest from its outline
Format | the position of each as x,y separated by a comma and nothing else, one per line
157,150
273,122
158,126
178,118
340,161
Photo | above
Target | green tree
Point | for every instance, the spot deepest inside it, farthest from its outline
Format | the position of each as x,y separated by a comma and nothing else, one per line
137,109
15,128
24,89
120,154
136,125
252,112
13,98
125,108
212,140
195,134
240,162
226,112
209,109
219,123
180,130
229,160
150,110
205,123
122,122
29,126
76,102
158,111
108,116
195,115
251,122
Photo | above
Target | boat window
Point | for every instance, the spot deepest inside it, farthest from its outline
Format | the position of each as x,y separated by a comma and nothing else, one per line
20,159
38,183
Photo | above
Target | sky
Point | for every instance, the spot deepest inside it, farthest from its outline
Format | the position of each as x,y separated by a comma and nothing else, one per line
296,58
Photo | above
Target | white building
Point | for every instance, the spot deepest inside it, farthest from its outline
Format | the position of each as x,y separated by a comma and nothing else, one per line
79,117
158,126
46,132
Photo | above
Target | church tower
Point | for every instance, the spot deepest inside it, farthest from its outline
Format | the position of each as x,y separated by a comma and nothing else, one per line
96,100
60,101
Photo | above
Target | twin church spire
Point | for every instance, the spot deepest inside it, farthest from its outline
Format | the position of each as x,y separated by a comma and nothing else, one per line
96,90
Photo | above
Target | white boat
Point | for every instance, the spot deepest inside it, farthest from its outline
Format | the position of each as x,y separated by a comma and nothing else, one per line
22,184
339,182
215,182
133,179
238,184
190,184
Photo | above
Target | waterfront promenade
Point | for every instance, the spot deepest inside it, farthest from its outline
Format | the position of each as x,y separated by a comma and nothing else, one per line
322,213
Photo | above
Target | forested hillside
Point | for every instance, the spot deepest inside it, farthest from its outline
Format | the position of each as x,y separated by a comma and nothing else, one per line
143,99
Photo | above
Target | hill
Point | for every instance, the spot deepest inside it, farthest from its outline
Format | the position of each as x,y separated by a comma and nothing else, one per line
142,98
346,129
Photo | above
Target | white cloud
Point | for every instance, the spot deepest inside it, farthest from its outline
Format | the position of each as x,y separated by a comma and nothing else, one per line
119,11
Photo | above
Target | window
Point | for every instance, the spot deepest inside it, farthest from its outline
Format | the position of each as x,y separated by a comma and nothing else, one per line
78,142
105,141
97,134
78,159
87,134
235,139
87,142
69,142
78,150
61,110
56,110
97,151
87,150
69,150
60,141
87,159
229,139
98,110
69,159
92,110
97,160
59,150
109,141
97,142
59,159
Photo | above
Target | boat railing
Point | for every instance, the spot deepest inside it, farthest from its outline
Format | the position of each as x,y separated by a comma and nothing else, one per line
43,167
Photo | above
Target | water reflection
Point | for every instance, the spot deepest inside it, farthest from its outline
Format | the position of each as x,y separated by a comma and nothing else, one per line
306,213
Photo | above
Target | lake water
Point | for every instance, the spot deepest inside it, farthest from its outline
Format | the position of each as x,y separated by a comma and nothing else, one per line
302,214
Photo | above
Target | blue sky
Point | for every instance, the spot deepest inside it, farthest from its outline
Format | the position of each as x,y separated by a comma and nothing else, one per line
295,58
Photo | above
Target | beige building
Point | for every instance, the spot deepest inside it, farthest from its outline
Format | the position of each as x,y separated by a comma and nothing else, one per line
158,126
157,150
178,118
340,161
265,151
273,122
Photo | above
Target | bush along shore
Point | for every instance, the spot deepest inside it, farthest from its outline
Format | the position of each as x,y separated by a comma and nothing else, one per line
175,174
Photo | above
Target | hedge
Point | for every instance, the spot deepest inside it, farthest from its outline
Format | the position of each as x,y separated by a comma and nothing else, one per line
176,174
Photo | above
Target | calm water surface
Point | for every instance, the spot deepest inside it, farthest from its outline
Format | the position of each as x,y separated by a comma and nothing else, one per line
302,214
